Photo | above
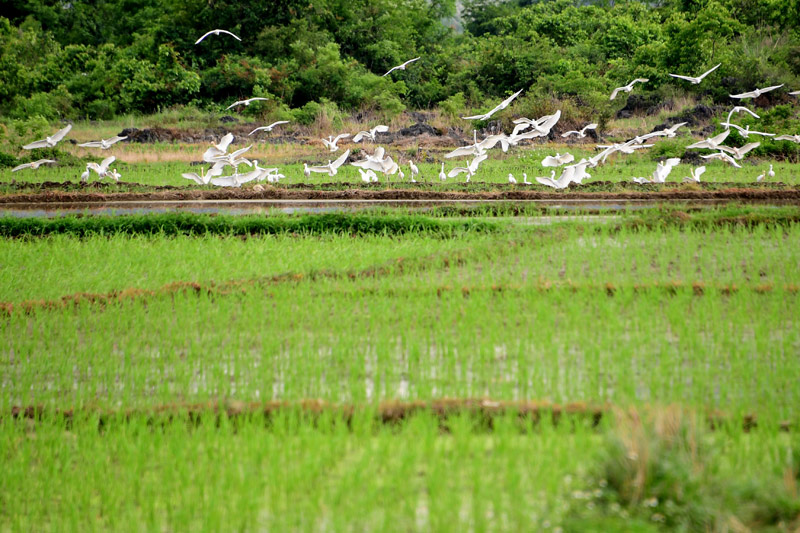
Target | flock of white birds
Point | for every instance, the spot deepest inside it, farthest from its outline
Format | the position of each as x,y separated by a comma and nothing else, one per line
379,162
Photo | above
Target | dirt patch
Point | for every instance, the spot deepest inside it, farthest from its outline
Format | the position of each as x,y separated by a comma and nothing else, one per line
102,192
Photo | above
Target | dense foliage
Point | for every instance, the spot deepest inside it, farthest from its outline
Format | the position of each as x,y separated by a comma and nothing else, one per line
100,58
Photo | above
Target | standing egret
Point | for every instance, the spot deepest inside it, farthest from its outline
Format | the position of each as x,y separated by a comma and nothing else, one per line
442,175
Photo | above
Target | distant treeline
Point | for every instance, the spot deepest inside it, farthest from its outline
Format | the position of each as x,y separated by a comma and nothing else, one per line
102,58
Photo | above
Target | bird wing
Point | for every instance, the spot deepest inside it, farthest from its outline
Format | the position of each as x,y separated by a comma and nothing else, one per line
379,129
370,165
278,123
379,153
550,161
718,139
772,88
20,167
390,71
614,92
193,176
687,78
229,33
592,126
238,102
36,144
473,165
709,71
545,124
699,170
492,140
793,138
341,159
341,136
239,152
743,95
456,171
91,144
360,135
107,161
568,133
203,37
226,140
476,117
566,158
116,139
639,80
459,152
227,181
674,128
60,134
747,147
504,103
404,65
523,120
267,128
43,161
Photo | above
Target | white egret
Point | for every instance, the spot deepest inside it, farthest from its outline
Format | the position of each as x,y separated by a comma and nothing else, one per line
664,168
757,92
233,159
722,156
695,174
501,105
557,160
370,134
368,176
49,142
699,78
270,127
216,32
470,169
331,141
739,153
580,133
218,149
414,169
103,144
204,177
401,67
471,149
525,179
33,165
442,175
746,131
561,183
247,102
579,171
739,109
711,143
627,88
101,169
331,168
512,179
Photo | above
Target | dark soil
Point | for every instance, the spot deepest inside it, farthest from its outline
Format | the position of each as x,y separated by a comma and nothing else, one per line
103,192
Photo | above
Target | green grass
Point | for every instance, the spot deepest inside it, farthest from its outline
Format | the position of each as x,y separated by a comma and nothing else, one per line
663,317
619,168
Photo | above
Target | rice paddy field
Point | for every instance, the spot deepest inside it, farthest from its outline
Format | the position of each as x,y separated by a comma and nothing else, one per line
480,369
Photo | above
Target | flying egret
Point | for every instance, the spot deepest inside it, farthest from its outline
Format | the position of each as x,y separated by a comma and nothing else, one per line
557,160
233,159
471,149
331,168
579,171
368,176
695,174
757,92
204,177
699,78
401,67
501,105
216,32
664,168
49,142
370,134
739,109
470,169
746,131
246,102
711,143
218,149
739,153
793,138
101,169
270,127
580,133
722,156
561,183
33,165
330,142
103,144
627,88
